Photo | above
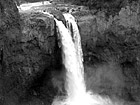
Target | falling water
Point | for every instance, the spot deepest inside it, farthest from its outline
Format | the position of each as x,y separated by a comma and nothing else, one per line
73,62
74,31
75,86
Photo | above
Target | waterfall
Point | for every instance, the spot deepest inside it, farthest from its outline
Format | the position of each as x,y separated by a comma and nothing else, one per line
73,62
75,85
72,56
74,31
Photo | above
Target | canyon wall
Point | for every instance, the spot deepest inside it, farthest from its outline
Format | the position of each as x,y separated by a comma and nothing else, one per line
28,47
111,48
30,51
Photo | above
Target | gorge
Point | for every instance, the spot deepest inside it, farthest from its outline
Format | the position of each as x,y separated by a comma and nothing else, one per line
31,62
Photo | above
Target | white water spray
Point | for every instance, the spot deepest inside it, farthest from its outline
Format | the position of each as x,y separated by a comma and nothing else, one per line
27,6
74,31
73,62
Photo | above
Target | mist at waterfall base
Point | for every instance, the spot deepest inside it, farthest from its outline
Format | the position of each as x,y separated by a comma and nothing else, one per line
75,87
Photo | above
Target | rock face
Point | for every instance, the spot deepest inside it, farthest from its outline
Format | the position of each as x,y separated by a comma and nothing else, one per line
29,52
38,43
112,39
28,49
9,33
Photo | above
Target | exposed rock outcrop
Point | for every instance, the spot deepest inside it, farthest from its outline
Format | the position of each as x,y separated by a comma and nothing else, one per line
28,49
9,34
107,39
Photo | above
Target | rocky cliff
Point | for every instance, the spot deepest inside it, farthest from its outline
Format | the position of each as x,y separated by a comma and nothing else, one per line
30,56
28,49
111,50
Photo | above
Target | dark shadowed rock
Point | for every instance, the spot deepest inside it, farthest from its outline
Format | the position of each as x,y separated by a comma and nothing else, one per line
9,33
52,9
58,15
113,39
27,49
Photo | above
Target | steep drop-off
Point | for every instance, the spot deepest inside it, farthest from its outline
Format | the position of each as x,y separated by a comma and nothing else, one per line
30,58
28,51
